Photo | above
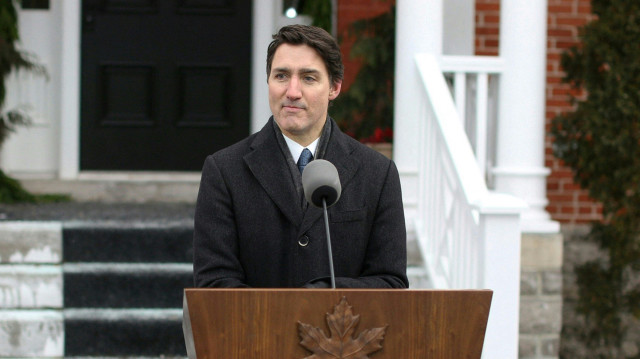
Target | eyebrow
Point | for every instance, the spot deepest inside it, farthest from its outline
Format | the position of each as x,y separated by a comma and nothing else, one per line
302,71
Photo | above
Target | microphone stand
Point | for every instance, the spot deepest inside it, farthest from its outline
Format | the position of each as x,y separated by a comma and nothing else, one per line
326,226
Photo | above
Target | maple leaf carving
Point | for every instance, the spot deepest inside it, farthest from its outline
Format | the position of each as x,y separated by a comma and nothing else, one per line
341,344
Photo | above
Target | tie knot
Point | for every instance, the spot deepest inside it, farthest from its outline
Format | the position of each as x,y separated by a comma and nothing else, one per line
305,158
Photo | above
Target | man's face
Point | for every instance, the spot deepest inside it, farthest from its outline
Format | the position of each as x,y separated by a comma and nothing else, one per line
299,92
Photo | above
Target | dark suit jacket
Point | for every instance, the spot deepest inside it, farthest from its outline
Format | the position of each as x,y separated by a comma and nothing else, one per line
249,224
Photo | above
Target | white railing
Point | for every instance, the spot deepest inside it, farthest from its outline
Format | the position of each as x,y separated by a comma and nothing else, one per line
469,237
473,82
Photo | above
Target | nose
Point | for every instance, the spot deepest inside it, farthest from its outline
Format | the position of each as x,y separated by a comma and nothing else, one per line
293,88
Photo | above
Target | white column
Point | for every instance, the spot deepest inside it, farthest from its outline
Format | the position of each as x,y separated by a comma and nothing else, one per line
418,30
263,27
521,118
70,91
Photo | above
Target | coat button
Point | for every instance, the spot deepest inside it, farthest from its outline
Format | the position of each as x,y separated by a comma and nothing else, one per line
303,241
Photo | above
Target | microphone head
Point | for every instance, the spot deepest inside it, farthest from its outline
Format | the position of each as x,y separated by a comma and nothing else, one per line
320,180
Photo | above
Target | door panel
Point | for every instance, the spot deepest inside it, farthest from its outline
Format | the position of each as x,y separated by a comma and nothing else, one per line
164,83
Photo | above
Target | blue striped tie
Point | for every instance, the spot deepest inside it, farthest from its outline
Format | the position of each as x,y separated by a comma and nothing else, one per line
304,159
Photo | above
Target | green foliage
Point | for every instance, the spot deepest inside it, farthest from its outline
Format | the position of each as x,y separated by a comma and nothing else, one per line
319,11
12,59
366,108
10,121
600,141
12,192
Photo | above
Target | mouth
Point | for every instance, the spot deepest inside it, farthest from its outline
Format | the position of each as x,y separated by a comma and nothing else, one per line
293,107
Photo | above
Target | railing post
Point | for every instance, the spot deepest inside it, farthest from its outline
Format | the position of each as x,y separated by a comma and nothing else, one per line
500,271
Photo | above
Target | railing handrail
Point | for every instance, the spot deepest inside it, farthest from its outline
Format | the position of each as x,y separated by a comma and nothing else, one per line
474,187
476,64
468,235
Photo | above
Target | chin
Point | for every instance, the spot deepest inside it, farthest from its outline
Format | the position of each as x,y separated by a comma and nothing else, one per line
292,123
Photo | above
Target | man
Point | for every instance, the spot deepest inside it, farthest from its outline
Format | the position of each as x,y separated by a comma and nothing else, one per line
253,227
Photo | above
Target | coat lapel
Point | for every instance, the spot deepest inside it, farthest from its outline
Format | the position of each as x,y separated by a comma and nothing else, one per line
267,165
339,152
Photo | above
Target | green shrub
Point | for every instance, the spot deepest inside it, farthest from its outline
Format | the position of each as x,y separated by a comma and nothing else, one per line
12,59
600,141
365,110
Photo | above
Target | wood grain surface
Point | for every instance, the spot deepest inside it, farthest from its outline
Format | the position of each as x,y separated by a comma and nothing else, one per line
263,323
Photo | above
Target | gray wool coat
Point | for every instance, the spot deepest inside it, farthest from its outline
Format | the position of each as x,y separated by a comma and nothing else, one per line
251,231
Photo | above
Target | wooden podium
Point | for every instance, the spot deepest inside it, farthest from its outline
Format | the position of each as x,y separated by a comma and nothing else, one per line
335,323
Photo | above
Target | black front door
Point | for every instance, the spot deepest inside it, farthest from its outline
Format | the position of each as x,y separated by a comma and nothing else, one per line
164,82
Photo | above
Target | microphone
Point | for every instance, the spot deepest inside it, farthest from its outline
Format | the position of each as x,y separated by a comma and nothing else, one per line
322,188
320,181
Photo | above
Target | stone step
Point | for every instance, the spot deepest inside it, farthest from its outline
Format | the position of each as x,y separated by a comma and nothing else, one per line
115,187
29,286
123,333
414,258
142,242
30,242
119,285
31,333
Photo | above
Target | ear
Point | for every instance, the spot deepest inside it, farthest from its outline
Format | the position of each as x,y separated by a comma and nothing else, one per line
334,91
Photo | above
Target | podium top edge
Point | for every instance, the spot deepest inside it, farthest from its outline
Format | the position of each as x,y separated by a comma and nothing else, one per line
339,290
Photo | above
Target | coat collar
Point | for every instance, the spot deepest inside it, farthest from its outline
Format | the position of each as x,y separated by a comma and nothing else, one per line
267,165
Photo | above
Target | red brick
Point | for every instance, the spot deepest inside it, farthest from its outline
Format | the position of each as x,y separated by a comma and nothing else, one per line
560,32
488,31
572,20
560,197
565,8
586,210
557,103
487,6
584,197
491,43
570,186
492,19
486,53
584,8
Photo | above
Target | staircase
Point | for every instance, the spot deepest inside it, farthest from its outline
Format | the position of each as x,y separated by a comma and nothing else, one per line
96,280
123,287
418,276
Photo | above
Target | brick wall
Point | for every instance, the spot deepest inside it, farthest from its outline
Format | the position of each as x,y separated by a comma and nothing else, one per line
487,27
348,12
567,202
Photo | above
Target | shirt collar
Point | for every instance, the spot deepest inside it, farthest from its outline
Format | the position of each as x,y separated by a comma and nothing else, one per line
296,149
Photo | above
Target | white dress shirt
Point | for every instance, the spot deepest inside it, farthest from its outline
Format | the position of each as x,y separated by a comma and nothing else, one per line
296,149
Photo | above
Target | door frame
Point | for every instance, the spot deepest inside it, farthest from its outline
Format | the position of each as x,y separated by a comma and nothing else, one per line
70,91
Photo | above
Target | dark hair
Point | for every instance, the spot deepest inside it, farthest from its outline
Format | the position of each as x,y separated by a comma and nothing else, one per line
314,37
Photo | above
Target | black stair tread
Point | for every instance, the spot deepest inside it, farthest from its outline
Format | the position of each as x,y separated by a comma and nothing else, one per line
134,286
128,242
123,333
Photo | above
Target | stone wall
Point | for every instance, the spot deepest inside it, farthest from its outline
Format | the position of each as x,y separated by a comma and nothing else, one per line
31,298
579,251
541,296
